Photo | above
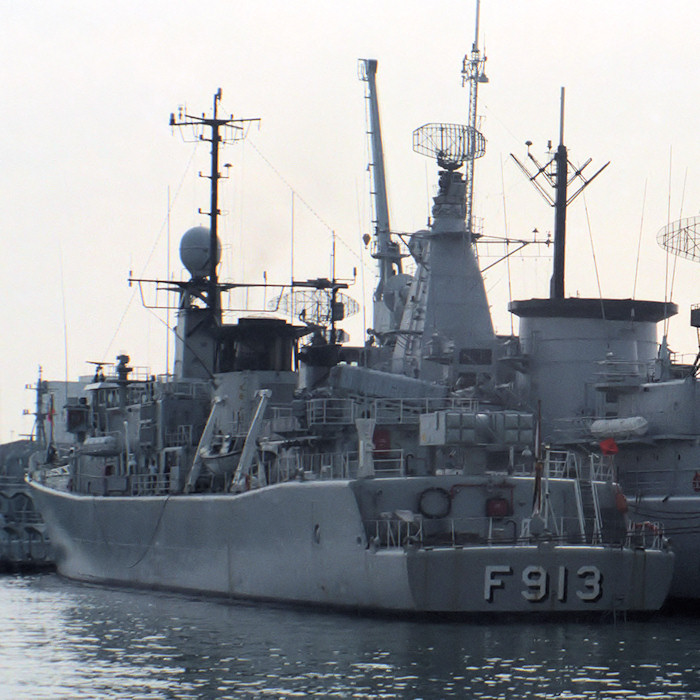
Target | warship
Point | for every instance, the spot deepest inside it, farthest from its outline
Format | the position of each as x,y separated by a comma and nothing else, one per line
277,462
604,382
24,543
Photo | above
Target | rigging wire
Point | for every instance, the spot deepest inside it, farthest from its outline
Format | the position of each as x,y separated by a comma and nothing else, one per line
668,252
65,320
595,261
639,241
291,240
163,227
680,216
300,198
167,316
506,243
427,193
493,115
360,219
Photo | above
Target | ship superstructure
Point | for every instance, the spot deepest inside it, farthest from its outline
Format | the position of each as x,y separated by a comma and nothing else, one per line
604,382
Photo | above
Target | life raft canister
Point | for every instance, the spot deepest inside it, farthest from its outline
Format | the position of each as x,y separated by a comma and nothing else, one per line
498,507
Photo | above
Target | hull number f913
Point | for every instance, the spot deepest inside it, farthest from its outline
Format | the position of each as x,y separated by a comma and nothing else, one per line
538,585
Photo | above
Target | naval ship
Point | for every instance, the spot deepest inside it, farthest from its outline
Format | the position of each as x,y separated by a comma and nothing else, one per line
24,543
603,383
278,462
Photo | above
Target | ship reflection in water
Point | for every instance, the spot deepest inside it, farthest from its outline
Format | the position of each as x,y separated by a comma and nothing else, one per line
61,639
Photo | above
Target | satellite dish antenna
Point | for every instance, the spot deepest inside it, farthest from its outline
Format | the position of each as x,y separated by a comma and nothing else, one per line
682,238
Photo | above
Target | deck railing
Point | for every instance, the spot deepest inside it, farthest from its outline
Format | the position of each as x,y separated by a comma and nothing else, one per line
181,437
334,465
401,411
625,372
566,464
11,482
645,535
405,528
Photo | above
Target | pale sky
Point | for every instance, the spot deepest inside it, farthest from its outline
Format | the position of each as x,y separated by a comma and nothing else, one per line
88,157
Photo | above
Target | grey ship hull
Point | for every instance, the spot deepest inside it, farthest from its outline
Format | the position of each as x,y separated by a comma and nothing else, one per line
305,542
678,515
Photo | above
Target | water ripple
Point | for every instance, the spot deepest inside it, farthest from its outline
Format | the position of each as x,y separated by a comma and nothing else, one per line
63,640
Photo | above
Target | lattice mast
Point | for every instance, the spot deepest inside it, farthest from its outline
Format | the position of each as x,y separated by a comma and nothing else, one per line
473,74
38,433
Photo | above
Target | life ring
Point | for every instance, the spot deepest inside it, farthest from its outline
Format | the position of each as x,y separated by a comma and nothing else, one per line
434,503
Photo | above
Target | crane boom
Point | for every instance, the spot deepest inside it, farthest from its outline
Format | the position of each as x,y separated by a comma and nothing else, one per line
384,249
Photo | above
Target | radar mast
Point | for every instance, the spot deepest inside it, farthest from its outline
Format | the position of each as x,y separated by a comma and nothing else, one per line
473,73
217,137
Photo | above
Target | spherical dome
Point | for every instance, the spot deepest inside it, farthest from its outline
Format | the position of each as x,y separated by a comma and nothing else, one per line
194,251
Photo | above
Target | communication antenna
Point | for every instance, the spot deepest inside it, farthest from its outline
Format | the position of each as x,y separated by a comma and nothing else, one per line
555,173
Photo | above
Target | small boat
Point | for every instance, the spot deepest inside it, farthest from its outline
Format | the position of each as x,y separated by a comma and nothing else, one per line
619,428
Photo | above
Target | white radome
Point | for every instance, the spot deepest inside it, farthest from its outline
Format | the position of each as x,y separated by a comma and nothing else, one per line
194,251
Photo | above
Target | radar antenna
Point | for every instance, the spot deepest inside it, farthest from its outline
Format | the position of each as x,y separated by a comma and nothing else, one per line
450,144
318,303
682,238
314,305
99,369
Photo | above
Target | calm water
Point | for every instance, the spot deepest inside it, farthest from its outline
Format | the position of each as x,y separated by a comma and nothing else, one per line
63,640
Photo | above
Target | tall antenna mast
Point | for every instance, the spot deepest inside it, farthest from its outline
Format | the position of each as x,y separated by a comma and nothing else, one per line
473,73
561,161
238,130
556,174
